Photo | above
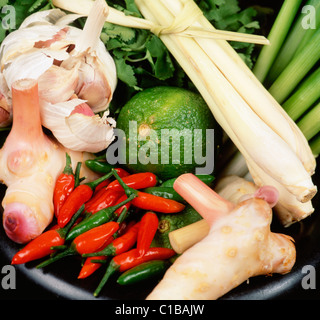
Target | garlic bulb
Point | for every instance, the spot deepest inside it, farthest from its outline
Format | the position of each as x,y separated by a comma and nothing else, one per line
72,67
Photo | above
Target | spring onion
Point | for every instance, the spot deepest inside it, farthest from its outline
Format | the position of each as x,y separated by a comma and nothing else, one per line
297,69
309,124
315,145
304,97
276,37
298,34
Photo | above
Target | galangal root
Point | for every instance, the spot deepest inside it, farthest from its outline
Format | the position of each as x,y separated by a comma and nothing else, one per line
239,245
30,163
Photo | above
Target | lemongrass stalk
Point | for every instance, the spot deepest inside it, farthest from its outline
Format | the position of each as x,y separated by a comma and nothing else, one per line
315,145
304,97
276,37
243,80
83,7
295,37
184,238
309,124
264,146
236,166
297,69
288,208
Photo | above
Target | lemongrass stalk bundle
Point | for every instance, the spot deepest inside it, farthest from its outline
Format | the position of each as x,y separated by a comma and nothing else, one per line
297,35
276,37
243,80
200,68
304,97
297,69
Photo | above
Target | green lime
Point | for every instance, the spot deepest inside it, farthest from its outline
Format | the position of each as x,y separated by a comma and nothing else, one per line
167,131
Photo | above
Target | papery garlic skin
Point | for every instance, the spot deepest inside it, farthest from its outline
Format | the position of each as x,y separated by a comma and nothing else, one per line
47,49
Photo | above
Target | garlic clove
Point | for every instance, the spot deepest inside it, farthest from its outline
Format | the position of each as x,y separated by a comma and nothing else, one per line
98,132
97,74
75,127
58,84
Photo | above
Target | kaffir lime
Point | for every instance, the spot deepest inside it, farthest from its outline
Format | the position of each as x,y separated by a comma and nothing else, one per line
166,132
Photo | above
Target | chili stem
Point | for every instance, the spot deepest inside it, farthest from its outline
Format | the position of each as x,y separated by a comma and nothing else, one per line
77,175
95,183
68,252
64,231
128,191
112,268
68,167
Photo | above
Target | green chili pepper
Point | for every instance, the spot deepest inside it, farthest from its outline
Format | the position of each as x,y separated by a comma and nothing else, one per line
206,178
165,192
144,271
96,219
99,166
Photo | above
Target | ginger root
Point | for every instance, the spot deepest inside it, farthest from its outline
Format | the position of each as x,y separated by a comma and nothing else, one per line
239,245
30,163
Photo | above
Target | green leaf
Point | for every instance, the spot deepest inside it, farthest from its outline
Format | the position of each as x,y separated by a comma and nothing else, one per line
124,34
125,73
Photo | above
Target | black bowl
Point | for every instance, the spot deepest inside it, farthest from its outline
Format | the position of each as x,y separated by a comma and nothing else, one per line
59,281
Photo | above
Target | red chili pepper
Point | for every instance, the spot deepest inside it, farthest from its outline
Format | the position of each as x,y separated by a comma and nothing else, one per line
103,199
102,185
121,172
95,238
136,181
120,244
88,242
131,259
125,206
63,187
148,228
149,201
77,198
41,246
89,266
